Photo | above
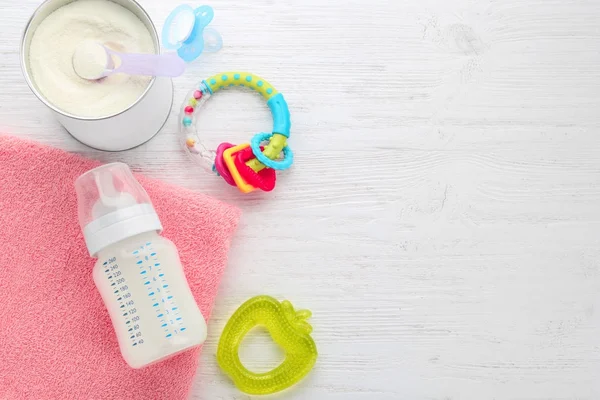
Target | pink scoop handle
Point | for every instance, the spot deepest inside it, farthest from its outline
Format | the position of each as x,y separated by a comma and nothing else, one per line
148,64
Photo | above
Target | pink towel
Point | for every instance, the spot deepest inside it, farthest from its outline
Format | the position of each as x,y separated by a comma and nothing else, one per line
56,339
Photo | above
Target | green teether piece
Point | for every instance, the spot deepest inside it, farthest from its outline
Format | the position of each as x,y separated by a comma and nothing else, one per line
289,330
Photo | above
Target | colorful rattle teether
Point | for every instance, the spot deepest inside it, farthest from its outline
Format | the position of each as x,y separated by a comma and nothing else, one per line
288,329
248,166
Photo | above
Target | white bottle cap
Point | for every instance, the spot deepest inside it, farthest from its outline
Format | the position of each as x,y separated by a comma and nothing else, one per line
113,206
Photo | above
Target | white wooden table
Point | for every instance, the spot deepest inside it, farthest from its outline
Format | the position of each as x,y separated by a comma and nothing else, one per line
442,219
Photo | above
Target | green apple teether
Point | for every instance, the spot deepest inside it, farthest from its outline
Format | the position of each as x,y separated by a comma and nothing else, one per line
289,330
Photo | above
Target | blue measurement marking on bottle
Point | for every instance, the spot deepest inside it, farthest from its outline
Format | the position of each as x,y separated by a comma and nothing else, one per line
163,302
112,272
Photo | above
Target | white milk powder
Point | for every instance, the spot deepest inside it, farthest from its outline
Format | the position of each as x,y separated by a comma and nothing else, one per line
58,36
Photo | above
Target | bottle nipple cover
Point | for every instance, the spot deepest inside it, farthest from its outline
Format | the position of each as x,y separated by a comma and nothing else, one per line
109,198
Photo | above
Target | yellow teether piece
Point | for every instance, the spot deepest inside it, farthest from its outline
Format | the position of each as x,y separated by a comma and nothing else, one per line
289,330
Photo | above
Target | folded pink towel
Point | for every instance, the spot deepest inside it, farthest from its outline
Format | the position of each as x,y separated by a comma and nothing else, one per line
56,339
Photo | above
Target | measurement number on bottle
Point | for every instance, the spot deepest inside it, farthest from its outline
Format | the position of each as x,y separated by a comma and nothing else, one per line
126,304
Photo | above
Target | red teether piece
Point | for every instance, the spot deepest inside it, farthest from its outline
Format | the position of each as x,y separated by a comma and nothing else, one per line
220,164
264,180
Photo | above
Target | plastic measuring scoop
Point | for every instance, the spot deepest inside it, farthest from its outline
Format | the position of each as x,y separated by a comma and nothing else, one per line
92,60
186,31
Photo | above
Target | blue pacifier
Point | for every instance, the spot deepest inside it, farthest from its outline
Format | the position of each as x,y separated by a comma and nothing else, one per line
186,31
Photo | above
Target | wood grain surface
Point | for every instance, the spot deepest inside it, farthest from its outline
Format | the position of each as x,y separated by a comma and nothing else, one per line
442,218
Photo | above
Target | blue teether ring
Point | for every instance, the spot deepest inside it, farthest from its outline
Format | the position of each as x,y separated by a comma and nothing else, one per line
288,155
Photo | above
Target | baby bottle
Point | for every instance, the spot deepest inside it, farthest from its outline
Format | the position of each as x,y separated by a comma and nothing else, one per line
138,273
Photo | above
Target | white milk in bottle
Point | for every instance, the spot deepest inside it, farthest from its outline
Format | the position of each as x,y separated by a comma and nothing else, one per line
138,273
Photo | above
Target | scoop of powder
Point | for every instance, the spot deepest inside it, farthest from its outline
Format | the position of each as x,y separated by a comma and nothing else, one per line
89,60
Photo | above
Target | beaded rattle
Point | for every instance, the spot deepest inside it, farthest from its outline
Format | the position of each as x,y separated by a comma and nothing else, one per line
250,165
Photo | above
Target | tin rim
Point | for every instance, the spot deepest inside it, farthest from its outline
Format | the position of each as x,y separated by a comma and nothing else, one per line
30,83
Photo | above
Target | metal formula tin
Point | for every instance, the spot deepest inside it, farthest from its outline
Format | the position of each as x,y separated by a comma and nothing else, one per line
121,131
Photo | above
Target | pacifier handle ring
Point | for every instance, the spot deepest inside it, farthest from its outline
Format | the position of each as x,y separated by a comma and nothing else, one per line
204,14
